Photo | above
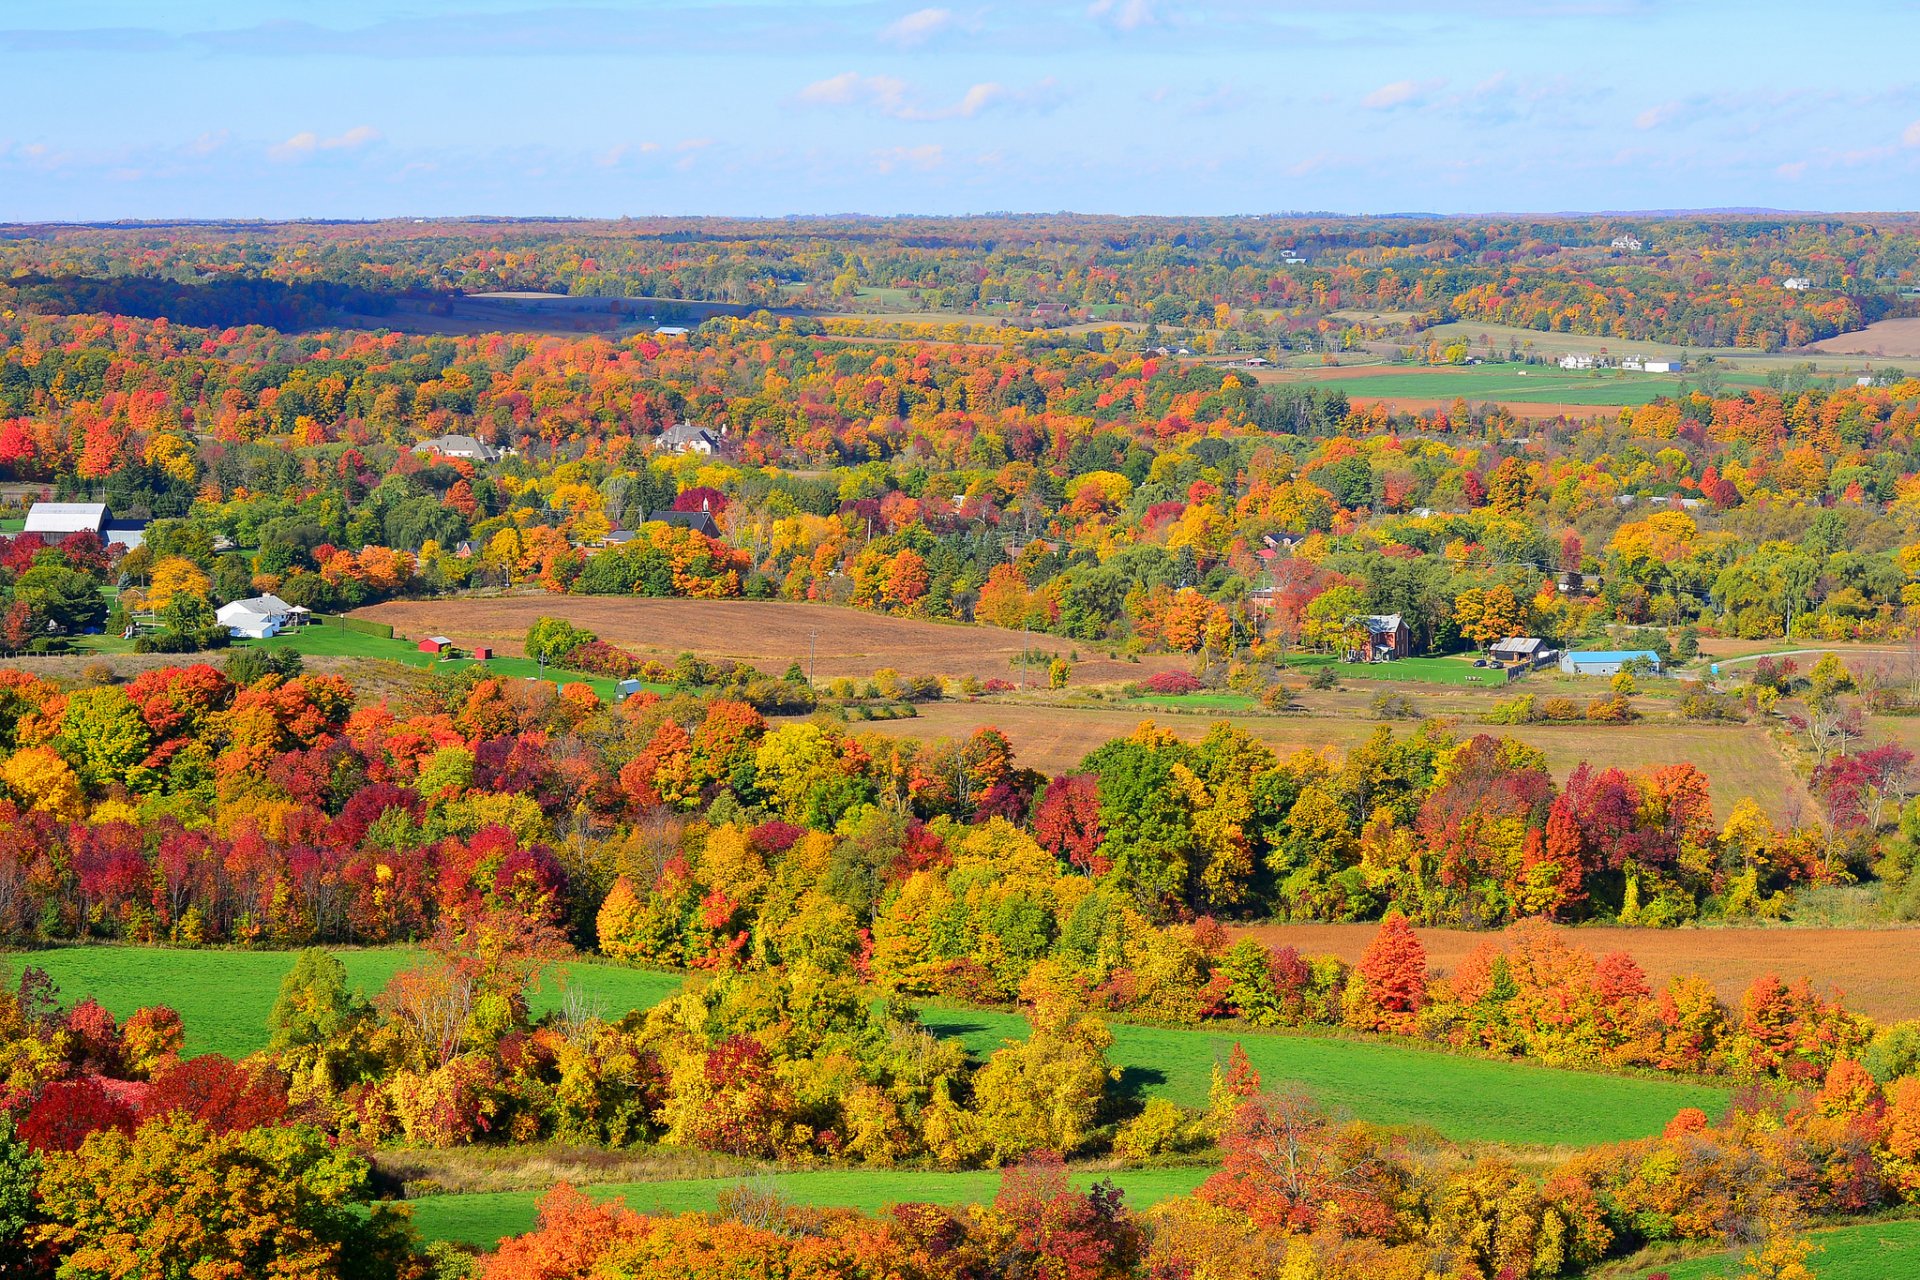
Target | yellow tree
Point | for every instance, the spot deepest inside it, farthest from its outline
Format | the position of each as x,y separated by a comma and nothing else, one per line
172,576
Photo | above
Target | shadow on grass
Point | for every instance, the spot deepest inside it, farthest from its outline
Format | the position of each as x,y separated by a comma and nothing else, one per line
1135,1081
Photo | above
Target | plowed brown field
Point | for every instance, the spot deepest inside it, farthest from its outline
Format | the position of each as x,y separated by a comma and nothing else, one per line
1875,969
767,633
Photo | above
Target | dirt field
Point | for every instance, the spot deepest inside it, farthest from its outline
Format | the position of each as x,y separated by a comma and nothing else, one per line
769,634
1873,968
1899,339
1737,760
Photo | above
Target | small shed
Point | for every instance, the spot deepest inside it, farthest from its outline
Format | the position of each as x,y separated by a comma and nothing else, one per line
626,689
436,644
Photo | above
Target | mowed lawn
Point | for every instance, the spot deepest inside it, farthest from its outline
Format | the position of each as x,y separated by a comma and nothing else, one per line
1461,1098
224,996
339,642
1863,1251
484,1218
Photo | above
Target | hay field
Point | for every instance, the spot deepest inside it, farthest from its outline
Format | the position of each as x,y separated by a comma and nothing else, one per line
1898,339
1737,759
767,633
1872,968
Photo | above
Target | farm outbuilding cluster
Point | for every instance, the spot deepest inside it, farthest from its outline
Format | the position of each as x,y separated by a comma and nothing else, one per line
1607,662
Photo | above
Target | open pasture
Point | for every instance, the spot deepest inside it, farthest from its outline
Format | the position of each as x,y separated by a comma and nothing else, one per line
1860,1251
1872,968
483,1219
224,996
1506,383
1464,1099
769,634
1736,758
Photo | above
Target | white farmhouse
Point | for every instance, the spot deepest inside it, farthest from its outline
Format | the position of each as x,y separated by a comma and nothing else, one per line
257,617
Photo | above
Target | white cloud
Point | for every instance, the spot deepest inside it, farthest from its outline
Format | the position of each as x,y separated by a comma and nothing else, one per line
1792,172
1401,93
917,27
891,96
1124,15
306,143
886,94
1654,117
1911,137
925,158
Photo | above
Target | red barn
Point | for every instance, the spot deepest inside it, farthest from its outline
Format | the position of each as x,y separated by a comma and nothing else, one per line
435,644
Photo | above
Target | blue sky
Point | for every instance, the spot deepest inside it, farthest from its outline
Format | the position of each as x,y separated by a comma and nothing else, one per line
368,108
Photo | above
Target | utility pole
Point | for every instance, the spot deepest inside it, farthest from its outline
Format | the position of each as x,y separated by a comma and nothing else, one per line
811,636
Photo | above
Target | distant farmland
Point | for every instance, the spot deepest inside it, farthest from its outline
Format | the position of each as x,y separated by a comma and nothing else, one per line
1871,967
767,633
1736,759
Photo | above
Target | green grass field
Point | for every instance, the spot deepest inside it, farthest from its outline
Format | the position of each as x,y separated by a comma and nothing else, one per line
224,996
1531,384
1465,1099
1460,671
339,642
1863,1251
484,1218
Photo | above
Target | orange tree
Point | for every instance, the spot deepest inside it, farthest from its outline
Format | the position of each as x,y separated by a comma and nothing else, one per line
173,1199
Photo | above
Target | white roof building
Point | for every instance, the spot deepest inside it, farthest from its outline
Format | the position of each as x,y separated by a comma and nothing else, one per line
54,520
257,617
1799,284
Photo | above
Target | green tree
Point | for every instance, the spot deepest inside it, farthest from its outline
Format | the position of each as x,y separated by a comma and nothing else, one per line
65,597
19,1175
104,735
550,639
313,1023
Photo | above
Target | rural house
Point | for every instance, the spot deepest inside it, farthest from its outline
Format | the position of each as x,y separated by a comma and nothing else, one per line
257,617
468,447
55,520
1606,662
699,521
1388,637
684,437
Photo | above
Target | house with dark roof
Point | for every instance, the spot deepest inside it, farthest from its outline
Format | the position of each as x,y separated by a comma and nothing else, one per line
699,521
684,437
1387,637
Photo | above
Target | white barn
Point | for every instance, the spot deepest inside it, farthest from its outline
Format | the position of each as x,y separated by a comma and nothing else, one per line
55,520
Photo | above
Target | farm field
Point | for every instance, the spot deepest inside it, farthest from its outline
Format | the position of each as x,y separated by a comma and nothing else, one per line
1509,384
769,634
224,996
1897,338
1737,759
1462,1098
1872,967
483,1218
1862,1251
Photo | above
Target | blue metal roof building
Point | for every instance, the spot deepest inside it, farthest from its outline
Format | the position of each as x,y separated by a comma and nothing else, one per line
1606,662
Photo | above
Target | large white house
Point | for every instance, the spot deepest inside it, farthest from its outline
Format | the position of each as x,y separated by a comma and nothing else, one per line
257,617
55,520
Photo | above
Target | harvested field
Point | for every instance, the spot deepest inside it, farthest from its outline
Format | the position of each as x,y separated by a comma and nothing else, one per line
1873,968
1899,339
1737,759
769,634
